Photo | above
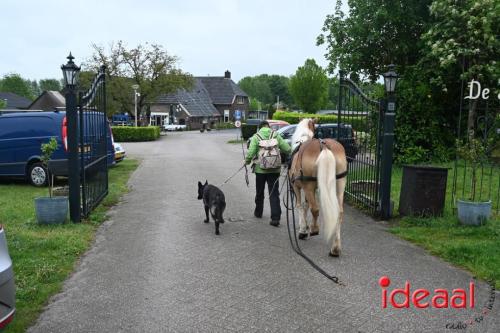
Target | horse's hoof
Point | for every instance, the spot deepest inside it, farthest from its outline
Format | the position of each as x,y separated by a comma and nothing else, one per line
222,221
314,233
302,236
217,233
335,253
206,221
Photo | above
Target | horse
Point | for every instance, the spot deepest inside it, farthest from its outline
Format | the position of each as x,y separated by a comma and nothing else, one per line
318,164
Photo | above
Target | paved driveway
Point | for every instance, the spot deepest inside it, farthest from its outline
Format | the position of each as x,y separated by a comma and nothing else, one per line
156,267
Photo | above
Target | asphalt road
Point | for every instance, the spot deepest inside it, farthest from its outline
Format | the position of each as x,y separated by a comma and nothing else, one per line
156,267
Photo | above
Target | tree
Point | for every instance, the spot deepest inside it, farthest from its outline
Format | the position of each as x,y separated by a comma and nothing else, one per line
3,105
50,84
257,87
14,83
309,87
465,33
375,34
150,66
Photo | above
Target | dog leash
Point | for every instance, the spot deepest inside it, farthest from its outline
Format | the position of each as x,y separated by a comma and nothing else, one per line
234,174
243,151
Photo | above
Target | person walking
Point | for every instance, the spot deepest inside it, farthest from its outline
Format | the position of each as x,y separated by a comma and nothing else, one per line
267,173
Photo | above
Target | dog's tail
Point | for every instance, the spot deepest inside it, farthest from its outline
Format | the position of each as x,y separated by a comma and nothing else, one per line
217,207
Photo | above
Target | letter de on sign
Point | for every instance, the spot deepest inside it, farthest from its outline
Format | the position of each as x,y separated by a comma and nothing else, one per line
473,84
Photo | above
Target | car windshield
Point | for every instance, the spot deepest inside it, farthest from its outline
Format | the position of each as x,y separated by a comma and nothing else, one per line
324,132
287,131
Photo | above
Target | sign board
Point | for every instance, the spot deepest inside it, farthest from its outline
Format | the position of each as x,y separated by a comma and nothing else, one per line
237,123
237,114
391,106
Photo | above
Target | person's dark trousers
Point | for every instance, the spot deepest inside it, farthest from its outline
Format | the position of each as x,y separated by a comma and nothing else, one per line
274,198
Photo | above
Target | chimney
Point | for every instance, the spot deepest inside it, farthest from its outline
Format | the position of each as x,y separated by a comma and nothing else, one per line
227,74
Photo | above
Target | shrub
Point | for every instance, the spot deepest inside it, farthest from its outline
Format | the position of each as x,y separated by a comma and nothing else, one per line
135,134
358,123
220,126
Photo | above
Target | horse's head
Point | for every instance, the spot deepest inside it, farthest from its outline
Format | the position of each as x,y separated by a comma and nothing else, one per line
303,132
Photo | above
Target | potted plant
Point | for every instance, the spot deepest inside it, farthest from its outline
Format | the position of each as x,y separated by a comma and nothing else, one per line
50,210
470,211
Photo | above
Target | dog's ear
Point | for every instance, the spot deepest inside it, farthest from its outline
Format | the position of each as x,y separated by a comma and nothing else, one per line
199,184
206,182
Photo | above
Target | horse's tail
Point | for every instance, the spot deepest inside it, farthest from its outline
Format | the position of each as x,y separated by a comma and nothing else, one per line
327,183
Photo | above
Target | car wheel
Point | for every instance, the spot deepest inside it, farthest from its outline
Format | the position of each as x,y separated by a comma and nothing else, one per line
38,175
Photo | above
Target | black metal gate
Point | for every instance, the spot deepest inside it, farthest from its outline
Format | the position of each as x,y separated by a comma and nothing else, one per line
359,129
94,144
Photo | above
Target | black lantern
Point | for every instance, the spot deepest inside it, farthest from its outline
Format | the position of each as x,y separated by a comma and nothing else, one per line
390,79
71,72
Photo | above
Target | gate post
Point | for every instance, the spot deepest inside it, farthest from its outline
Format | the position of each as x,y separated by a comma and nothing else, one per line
390,79
339,104
71,72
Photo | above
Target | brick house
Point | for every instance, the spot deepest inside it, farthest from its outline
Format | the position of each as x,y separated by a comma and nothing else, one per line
212,99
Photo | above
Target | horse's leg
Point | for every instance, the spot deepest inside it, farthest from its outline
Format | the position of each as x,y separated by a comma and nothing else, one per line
310,192
303,232
337,246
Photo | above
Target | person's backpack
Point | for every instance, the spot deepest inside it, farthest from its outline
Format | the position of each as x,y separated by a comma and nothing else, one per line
269,156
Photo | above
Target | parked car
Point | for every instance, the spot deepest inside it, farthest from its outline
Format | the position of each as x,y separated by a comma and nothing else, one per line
328,131
21,135
7,287
119,152
275,125
174,127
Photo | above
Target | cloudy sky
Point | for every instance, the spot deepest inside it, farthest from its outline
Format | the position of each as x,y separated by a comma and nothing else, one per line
248,37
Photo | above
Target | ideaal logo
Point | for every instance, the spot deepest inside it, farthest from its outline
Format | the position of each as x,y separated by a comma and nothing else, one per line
440,298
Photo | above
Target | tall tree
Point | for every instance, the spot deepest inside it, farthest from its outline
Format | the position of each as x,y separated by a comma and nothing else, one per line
466,33
150,66
50,84
374,34
309,87
14,83
257,87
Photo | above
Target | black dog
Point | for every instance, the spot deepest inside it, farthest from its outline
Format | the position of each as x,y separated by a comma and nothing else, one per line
214,201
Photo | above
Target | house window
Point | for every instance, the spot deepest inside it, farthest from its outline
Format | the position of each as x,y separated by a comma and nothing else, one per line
240,100
226,116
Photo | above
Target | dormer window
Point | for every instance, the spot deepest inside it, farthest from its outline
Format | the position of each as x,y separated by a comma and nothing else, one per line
240,100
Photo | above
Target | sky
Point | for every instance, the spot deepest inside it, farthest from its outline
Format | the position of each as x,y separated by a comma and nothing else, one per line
246,37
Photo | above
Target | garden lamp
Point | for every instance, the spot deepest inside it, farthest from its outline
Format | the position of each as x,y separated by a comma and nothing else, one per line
71,72
390,79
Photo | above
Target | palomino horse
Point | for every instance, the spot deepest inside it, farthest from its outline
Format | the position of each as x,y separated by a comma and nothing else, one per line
319,164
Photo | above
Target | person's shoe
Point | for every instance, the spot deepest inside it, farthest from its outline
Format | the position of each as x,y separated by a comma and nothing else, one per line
275,223
257,215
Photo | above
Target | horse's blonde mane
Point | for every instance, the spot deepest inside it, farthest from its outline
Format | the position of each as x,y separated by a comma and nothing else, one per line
302,133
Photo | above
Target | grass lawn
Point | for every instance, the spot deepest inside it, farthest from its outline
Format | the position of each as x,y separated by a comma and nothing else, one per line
476,249
44,256
239,141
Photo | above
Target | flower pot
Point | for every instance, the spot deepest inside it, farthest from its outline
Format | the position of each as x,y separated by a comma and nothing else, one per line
473,213
51,210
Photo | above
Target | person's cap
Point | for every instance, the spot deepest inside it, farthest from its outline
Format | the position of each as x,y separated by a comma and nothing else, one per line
264,123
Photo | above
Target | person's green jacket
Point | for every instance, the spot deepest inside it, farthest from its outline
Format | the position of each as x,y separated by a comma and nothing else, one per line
265,133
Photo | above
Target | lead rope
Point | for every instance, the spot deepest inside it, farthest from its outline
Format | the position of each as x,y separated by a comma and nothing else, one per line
296,247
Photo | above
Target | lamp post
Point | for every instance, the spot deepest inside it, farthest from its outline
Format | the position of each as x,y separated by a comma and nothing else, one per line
390,80
136,94
71,74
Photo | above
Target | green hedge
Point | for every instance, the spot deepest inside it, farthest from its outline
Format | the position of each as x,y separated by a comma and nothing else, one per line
359,123
130,133
220,126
